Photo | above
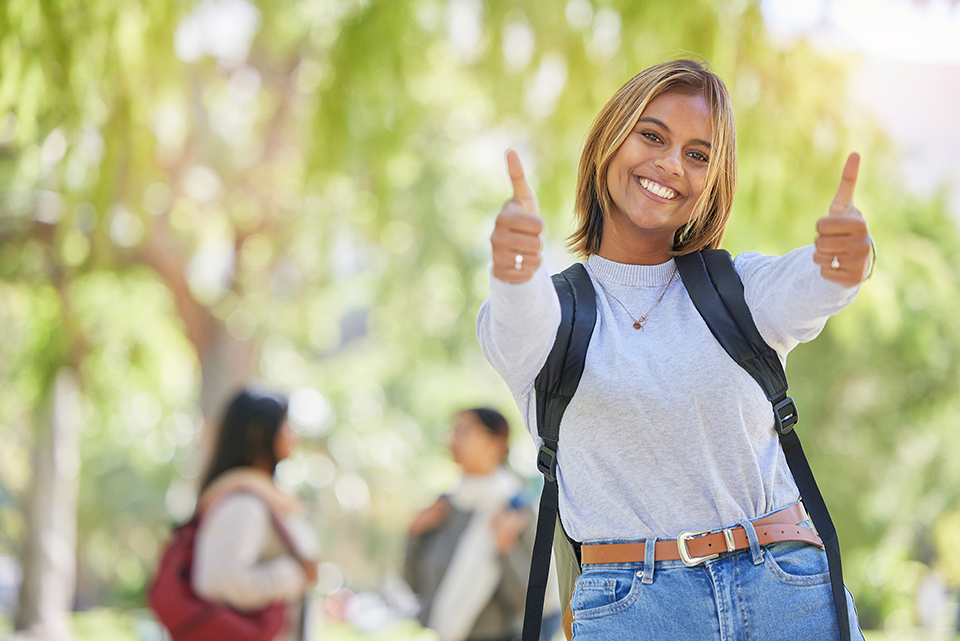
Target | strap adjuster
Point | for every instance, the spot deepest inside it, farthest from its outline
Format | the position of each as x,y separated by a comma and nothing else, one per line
787,417
547,463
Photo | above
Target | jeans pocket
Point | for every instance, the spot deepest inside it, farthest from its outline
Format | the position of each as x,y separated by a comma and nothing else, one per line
797,563
604,592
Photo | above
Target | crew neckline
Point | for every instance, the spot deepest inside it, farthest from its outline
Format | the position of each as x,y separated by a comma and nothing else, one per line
631,275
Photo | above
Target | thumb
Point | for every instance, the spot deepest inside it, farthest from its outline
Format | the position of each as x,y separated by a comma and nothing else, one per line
848,181
522,191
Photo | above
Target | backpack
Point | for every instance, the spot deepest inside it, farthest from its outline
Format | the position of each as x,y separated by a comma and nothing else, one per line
189,617
717,292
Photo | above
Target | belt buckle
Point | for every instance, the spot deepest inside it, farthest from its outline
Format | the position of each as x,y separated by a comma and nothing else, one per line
691,561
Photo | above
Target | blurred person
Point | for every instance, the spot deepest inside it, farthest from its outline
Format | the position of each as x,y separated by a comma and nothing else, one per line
667,435
240,557
468,554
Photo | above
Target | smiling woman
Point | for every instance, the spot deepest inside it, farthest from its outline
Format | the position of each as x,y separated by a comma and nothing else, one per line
667,446
656,136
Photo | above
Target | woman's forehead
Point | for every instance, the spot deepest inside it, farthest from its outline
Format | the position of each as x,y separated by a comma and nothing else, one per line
688,115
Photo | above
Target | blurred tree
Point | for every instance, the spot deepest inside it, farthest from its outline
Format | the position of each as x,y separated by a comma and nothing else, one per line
299,191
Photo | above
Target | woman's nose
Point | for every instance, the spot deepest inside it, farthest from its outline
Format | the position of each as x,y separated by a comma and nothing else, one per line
671,161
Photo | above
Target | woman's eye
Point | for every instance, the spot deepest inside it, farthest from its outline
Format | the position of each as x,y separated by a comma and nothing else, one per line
696,155
650,136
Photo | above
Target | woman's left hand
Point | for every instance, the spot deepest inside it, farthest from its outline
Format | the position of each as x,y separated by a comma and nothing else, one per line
507,524
843,242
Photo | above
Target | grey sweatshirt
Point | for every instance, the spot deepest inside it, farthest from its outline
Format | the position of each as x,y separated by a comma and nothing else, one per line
666,432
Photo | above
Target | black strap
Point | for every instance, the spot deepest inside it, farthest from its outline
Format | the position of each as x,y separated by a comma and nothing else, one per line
717,293
556,384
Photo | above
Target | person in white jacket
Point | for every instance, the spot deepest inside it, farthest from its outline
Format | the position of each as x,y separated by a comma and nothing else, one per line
468,554
241,557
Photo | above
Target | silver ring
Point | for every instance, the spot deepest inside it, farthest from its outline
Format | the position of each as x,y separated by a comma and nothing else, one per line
835,263
518,265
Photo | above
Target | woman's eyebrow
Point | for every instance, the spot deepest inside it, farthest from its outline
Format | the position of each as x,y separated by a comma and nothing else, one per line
663,126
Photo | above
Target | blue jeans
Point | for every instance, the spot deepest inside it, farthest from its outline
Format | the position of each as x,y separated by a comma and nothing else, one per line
778,592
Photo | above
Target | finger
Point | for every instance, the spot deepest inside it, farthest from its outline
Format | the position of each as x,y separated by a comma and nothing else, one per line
830,246
845,268
516,262
514,267
522,192
514,219
848,224
512,241
848,181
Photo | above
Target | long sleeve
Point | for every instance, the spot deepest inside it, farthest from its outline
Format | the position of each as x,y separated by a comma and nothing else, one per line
789,299
516,327
229,563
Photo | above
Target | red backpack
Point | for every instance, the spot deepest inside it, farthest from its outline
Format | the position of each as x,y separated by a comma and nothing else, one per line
189,617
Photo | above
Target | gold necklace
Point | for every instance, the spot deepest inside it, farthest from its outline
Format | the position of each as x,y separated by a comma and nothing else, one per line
638,323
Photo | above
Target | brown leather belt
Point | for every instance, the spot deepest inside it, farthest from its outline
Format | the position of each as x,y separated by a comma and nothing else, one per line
695,547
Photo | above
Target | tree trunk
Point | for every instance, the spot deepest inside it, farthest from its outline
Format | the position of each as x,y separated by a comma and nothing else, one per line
50,509
225,368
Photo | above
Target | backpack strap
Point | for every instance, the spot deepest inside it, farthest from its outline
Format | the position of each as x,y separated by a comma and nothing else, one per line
275,518
717,292
555,385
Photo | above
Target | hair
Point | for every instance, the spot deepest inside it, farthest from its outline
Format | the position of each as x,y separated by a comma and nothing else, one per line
495,424
615,122
247,433
491,419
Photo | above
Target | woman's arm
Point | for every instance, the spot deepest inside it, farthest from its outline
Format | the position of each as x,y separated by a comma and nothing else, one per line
517,325
228,548
792,296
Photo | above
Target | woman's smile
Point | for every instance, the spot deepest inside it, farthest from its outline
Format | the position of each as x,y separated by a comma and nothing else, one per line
660,191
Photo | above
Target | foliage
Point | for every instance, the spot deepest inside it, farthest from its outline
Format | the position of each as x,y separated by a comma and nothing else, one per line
321,193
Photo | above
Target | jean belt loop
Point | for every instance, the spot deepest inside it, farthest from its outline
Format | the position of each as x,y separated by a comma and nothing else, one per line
755,550
649,559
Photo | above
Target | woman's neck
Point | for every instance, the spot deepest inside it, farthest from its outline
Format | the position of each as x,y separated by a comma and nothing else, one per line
641,250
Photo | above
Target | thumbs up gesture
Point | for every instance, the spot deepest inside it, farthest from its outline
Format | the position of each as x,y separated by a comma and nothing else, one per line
516,232
843,243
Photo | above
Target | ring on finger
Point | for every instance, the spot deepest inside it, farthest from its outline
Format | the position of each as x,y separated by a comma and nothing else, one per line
518,262
835,263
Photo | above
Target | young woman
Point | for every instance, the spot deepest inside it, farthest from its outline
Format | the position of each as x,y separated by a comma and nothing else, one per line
241,558
468,554
666,433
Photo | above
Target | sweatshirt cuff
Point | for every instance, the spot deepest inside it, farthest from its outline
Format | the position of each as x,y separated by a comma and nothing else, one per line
525,301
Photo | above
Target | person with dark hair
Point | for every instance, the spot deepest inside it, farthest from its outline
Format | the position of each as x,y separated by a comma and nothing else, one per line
468,554
253,547
668,443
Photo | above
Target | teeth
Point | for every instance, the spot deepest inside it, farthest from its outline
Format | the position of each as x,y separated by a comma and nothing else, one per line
659,190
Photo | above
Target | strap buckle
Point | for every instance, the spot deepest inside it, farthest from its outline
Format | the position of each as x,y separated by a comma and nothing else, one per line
691,561
787,417
547,463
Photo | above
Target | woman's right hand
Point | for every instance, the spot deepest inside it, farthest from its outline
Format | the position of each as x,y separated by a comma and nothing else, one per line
516,233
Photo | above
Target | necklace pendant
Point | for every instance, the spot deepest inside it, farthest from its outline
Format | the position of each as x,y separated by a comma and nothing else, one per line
637,325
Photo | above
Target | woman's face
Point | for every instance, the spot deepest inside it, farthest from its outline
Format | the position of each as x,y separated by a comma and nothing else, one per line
656,177
285,441
474,448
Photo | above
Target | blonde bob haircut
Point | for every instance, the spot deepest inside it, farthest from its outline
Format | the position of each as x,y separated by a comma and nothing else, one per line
615,122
